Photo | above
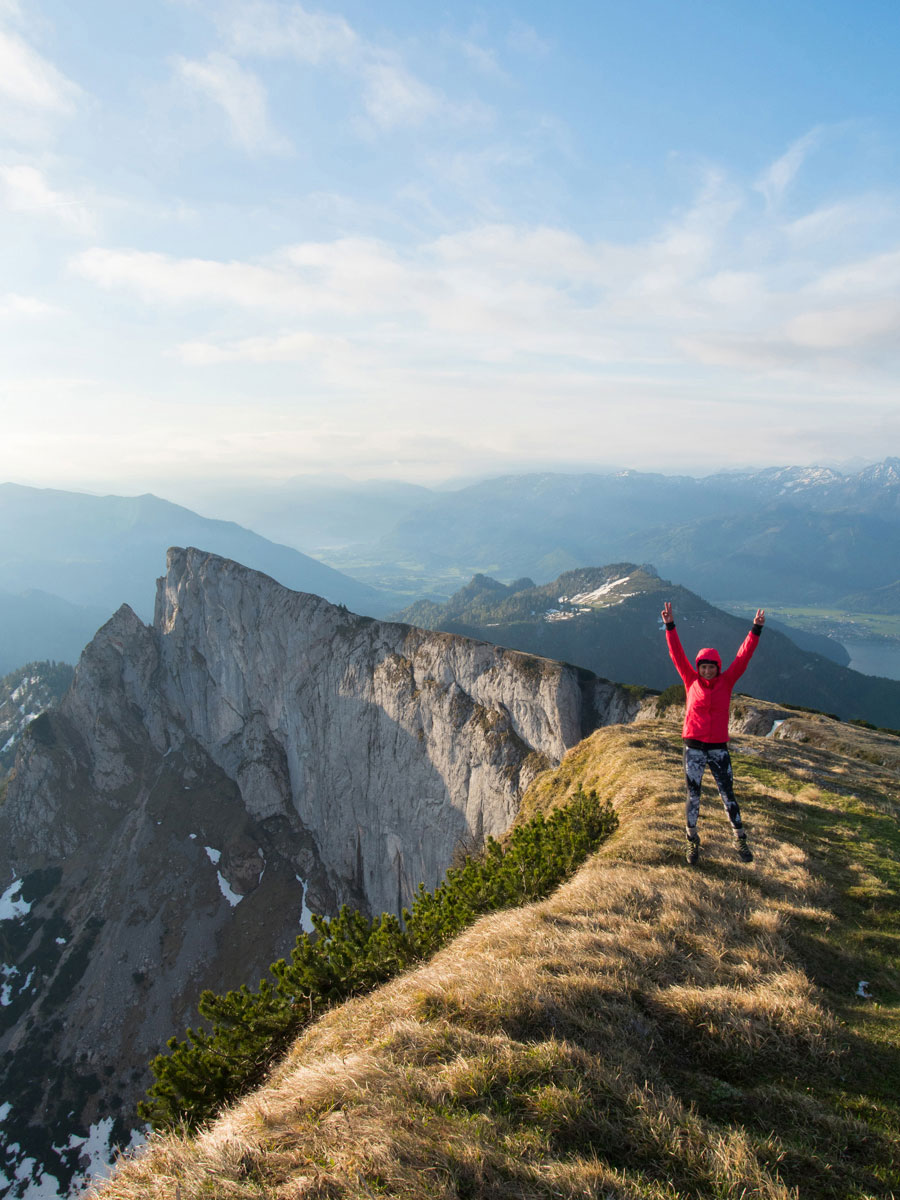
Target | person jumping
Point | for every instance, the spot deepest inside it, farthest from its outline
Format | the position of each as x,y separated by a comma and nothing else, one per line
705,732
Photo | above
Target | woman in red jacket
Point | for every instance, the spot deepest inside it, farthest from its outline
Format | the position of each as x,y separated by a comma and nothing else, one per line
705,732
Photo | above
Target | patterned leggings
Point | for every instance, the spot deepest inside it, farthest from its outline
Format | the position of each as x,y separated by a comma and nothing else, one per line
719,761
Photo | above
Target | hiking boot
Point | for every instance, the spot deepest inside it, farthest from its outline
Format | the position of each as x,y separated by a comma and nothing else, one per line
693,850
745,854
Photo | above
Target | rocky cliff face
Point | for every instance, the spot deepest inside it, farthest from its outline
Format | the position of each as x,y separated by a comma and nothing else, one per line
253,755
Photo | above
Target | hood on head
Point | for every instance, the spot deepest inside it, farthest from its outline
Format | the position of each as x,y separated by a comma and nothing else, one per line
709,654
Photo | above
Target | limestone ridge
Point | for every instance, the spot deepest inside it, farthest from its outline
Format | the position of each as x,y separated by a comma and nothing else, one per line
391,744
206,781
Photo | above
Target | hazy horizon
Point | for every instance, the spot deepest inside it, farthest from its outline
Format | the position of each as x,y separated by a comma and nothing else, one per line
195,493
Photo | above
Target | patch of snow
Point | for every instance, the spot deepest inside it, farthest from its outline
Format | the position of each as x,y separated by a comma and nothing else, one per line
60,941
30,1182
306,923
8,973
232,897
101,1156
224,887
95,1147
12,906
600,592
96,1159
553,614
192,836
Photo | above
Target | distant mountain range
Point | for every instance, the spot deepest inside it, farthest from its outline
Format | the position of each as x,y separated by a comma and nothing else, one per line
795,536
36,625
69,560
322,512
607,620
800,535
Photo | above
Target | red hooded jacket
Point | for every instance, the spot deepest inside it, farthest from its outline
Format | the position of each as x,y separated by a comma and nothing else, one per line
708,700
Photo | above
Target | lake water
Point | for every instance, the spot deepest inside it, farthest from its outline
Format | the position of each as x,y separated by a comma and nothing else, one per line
874,658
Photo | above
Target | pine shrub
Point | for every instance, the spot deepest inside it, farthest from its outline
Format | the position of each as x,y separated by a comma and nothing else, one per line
674,694
350,954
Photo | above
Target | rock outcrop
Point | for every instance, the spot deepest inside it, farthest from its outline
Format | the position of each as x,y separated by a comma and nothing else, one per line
209,780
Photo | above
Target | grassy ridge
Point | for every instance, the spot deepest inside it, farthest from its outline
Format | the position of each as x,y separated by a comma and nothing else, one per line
649,1031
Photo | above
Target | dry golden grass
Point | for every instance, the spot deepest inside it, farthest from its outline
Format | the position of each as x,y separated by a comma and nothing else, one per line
649,1031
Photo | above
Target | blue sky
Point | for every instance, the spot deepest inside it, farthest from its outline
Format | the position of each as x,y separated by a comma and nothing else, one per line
242,241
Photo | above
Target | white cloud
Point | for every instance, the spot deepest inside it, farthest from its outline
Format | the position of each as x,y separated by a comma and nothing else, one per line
744,289
711,287
846,327
283,348
524,39
240,95
26,190
160,277
14,305
836,220
754,354
481,57
394,97
776,179
271,30
478,175
505,250
29,81
877,273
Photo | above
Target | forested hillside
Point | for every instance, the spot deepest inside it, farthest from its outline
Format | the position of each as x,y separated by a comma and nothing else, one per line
607,620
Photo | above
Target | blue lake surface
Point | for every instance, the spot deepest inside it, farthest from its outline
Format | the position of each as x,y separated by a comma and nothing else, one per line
874,658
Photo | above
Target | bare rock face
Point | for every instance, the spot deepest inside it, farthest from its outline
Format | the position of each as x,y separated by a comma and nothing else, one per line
207,781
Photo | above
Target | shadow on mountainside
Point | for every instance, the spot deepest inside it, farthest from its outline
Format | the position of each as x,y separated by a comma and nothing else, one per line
649,1031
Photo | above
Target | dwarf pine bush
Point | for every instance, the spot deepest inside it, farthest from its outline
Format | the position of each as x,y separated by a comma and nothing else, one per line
350,954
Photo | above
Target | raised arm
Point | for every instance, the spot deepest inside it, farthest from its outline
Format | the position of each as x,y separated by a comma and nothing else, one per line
748,648
676,650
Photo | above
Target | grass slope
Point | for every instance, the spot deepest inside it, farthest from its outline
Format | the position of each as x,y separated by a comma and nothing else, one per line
650,1031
